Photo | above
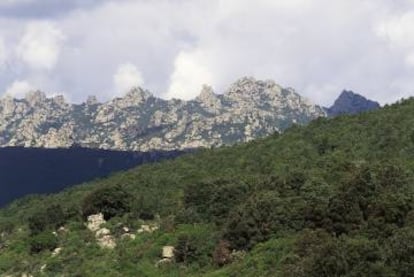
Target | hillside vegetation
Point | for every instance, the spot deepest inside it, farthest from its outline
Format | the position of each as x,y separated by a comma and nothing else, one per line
334,198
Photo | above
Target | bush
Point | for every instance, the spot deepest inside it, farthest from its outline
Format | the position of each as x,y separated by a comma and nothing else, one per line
211,201
263,215
110,201
49,218
186,249
43,241
6,226
401,255
318,254
195,244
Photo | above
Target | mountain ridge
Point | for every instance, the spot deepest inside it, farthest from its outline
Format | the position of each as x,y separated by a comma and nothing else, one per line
139,121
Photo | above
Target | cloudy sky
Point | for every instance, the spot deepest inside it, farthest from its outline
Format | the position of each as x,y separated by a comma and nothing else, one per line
172,47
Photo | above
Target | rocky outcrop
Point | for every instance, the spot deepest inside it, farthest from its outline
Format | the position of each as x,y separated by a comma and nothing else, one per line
95,221
349,102
103,235
105,239
139,121
146,228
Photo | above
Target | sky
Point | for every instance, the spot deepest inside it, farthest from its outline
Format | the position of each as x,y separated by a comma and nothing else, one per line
172,47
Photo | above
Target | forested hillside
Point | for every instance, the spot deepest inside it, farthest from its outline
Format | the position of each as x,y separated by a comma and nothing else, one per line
334,198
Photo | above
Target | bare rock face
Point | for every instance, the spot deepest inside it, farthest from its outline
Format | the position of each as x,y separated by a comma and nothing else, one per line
95,221
248,109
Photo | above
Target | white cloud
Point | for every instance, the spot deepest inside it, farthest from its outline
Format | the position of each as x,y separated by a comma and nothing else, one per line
398,31
19,88
409,59
126,77
319,47
14,2
2,52
40,45
190,72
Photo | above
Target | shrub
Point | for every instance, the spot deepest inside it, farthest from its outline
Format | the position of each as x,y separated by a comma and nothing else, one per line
6,226
211,201
401,254
185,250
110,201
318,254
195,244
50,217
43,241
263,215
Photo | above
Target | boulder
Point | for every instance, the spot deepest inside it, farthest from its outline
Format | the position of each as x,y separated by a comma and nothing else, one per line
162,262
168,252
56,251
148,228
102,232
107,241
128,236
95,221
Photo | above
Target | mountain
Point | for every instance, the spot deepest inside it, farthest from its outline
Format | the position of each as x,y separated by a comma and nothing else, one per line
349,102
333,198
35,170
139,121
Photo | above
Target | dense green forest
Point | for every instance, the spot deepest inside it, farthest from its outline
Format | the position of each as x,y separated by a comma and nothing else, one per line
334,198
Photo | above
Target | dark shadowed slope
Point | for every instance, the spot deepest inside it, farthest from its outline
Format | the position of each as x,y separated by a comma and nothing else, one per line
28,170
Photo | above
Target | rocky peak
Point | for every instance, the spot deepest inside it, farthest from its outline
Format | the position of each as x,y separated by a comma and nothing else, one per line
7,98
349,102
59,100
91,100
249,87
245,86
34,98
7,104
136,93
134,97
206,93
208,98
